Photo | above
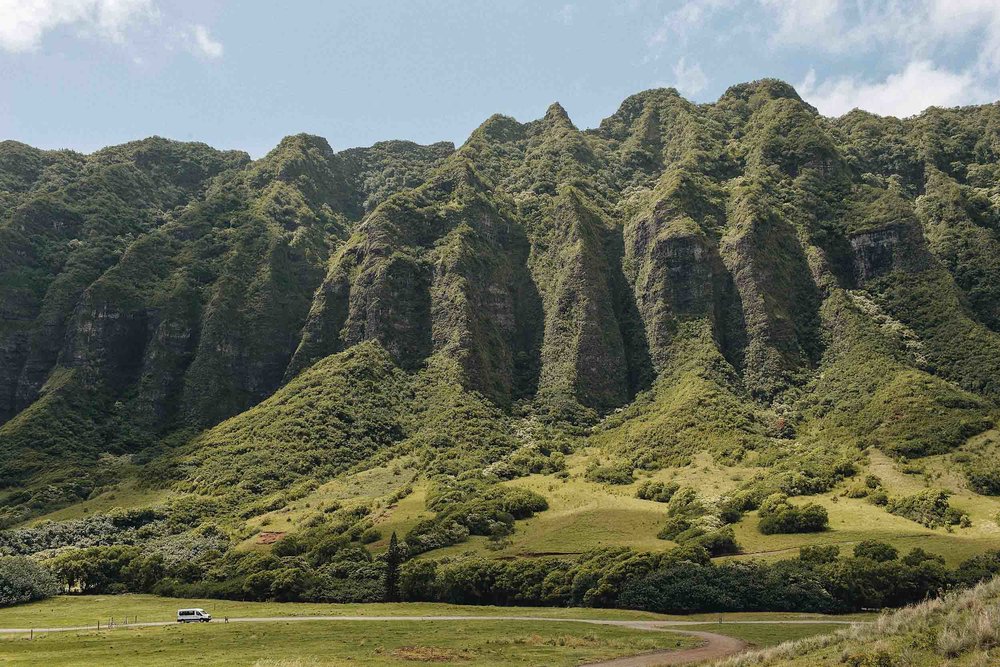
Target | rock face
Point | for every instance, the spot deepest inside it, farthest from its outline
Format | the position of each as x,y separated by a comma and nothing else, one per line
896,247
673,262
694,250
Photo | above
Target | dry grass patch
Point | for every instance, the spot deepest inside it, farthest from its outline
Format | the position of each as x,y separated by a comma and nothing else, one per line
430,654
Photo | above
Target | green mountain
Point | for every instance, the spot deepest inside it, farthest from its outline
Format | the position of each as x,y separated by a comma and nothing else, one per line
519,346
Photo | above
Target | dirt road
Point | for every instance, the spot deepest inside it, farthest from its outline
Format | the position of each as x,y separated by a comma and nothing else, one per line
715,647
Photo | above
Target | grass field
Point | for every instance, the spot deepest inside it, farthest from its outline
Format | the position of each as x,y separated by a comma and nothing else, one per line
761,636
295,643
73,610
306,643
347,643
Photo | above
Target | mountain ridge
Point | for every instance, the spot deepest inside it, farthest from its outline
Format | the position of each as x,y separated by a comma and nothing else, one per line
746,278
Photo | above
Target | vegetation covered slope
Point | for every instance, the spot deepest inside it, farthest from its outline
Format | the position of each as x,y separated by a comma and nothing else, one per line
741,302
959,629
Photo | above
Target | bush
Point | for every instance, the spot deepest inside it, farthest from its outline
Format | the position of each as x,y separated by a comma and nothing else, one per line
23,580
875,550
984,478
660,492
619,474
929,508
777,515
819,554
719,542
490,512
370,535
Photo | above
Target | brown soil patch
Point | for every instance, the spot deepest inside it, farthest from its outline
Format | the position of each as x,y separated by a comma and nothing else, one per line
269,536
430,654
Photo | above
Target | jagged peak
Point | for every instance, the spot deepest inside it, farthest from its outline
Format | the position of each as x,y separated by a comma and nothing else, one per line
292,153
299,142
556,112
405,144
756,93
498,128
649,97
643,105
14,145
157,147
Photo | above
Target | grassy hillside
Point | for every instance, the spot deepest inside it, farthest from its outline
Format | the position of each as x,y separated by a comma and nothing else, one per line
959,629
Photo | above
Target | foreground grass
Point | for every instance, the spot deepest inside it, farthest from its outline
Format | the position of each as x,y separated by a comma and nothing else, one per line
961,629
474,643
306,643
763,636
79,610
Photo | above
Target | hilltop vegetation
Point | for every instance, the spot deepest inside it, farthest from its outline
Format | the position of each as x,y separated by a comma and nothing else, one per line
731,329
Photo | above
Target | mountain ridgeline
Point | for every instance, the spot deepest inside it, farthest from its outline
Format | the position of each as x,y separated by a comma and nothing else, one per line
746,278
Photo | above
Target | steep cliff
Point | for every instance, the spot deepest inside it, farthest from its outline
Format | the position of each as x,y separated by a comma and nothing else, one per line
745,278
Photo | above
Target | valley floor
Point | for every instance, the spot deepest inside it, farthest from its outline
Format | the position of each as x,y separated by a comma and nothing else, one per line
419,634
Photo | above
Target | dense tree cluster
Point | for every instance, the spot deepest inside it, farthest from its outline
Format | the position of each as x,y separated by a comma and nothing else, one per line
685,580
777,515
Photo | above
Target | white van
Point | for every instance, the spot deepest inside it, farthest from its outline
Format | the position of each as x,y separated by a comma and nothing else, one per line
193,616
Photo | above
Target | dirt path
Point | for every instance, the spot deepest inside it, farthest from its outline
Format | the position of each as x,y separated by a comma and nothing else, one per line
714,646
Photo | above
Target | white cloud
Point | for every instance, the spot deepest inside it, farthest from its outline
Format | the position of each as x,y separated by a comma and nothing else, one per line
920,85
689,79
916,35
200,42
912,29
957,19
23,23
800,23
690,15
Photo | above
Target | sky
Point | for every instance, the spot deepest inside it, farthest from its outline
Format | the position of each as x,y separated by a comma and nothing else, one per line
83,74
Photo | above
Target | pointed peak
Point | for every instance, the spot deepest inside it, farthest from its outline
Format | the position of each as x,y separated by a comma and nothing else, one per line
757,93
498,128
303,142
556,112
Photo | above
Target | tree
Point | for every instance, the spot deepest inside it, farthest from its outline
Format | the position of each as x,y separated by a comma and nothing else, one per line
875,550
393,559
22,580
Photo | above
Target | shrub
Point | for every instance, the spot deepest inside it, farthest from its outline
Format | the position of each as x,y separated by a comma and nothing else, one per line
619,474
23,580
875,550
879,498
929,508
489,512
719,542
819,554
660,492
370,535
984,478
777,515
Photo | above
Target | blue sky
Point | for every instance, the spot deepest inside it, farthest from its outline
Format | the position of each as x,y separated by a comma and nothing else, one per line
83,74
